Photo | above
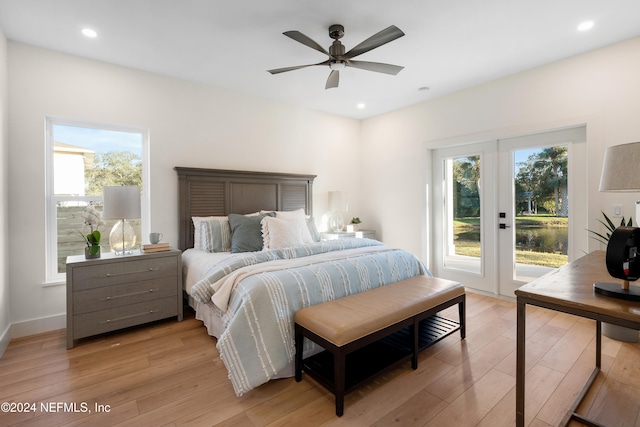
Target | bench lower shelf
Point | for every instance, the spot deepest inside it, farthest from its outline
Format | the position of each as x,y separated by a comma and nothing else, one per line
367,362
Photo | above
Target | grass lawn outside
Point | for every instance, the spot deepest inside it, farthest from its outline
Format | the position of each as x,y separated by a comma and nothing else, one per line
522,257
522,221
546,259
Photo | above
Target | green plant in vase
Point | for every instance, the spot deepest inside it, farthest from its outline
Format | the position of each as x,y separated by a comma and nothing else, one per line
93,242
92,219
353,225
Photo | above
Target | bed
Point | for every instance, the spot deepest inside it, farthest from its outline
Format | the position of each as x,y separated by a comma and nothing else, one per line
246,287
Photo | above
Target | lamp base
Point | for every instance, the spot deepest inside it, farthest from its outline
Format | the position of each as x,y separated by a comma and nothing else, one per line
336,222
125,252
616,290
122,238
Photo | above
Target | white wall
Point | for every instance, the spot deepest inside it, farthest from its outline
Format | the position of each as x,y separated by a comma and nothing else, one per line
600,88
200,126
4,201
190,125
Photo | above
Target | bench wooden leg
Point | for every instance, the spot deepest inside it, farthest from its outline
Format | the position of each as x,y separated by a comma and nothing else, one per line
463,317
299,340
414,332
339,372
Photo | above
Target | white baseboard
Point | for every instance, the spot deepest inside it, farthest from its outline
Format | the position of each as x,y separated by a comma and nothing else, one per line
38,326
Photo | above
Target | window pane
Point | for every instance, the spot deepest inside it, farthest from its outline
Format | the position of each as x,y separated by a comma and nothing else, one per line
71,227
542,210
463,233
83,160
86,159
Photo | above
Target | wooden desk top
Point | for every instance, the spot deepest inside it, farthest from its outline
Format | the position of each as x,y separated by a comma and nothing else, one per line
571,287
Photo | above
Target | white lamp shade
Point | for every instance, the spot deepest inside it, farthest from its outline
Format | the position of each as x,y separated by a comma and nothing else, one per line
621,168
121,202
338,201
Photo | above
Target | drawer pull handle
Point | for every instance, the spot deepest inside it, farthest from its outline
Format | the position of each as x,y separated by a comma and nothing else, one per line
148,291
129,317
133,272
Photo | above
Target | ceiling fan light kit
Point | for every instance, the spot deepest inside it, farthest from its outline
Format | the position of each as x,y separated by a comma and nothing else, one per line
339,60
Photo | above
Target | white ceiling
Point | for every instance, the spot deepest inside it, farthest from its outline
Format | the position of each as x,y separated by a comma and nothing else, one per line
449,45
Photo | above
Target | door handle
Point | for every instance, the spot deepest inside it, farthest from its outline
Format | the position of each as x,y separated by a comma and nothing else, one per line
503,226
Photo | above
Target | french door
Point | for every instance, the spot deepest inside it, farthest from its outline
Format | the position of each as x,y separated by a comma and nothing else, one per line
507,211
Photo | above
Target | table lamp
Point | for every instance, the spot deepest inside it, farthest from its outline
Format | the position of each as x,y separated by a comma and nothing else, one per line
121,203
337,205
620,174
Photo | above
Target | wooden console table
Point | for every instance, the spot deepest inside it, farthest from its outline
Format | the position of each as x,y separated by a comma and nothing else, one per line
570,290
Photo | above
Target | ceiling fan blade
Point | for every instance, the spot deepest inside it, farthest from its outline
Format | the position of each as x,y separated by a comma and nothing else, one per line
378,67
296,67
301,38
332,81
383,37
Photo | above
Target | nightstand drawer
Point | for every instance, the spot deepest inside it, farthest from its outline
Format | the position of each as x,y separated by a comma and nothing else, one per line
117,295
137,270
99,322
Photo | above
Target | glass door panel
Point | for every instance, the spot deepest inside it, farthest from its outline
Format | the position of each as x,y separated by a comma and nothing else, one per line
463,232
465,195
535,203
508,211
542,210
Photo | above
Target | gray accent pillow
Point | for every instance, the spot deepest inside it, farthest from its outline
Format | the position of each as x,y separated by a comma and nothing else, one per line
246,232
215,234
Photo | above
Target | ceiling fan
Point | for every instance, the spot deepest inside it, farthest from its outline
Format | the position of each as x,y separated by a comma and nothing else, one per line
338,59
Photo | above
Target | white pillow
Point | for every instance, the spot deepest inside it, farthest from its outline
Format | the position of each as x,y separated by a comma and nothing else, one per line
284,233
298,213
313,230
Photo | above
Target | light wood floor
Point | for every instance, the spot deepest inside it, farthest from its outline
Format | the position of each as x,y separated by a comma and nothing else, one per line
169,374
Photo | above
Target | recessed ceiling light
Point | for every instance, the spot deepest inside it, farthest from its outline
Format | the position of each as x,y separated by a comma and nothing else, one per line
585,26
361,105
88,32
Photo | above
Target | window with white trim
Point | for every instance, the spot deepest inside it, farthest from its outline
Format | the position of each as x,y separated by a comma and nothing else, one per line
82,158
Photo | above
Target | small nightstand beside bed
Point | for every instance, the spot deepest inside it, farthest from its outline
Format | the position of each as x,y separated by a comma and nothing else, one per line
247,297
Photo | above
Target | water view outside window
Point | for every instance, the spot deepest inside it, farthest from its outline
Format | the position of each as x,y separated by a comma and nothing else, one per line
541,209
84,160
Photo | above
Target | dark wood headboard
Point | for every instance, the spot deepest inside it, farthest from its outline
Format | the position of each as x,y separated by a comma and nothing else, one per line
217,192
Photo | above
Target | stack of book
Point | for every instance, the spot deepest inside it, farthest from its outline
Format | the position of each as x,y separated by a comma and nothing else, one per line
155,247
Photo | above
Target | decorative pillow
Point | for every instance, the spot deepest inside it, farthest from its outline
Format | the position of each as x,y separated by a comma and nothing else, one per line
284,233
215,234
298,213
313,230
197,238
246,232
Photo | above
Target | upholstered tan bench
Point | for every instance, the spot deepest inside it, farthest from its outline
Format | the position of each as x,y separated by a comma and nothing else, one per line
375,330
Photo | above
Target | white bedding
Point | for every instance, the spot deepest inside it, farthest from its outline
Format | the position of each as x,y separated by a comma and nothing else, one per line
196,263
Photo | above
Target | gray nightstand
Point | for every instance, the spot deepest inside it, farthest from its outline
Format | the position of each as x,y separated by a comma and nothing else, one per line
360,234
115,292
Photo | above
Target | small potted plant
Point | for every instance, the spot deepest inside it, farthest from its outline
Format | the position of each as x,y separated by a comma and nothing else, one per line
93,220
353,225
